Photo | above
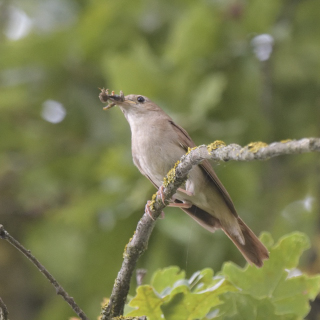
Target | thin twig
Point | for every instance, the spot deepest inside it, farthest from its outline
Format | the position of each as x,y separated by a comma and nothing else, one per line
217,151
3,311
140,274
59,290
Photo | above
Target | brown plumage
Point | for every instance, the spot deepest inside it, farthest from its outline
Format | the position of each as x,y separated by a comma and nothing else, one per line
157,143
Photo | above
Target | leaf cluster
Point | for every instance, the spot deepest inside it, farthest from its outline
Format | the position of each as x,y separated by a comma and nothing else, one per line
276,291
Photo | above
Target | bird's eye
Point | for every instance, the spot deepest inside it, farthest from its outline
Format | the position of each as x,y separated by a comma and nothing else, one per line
140,99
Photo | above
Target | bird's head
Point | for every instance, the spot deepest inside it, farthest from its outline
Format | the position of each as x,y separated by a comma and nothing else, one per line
131,103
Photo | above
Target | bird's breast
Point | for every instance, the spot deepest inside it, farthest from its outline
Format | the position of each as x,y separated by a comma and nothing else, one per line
154,154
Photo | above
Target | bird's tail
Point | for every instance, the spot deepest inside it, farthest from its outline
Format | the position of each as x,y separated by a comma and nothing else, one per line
252,249
248,244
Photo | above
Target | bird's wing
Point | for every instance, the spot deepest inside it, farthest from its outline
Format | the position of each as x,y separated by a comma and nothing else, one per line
137,164
186,142
151,181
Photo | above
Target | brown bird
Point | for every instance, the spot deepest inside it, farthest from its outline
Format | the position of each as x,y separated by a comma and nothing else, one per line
157,144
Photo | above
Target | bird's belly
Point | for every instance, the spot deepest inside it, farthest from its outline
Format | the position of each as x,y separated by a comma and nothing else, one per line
155,161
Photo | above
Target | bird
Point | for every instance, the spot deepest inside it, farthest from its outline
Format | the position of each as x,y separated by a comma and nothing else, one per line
157,143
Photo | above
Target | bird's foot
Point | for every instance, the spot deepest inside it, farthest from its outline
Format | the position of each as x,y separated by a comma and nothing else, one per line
148,211
184,204
161,194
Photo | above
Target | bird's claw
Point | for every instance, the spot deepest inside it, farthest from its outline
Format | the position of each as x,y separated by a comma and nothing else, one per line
161,194
148,211
172,203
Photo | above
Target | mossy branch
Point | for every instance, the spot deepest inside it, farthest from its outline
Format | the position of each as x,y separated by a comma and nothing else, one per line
260,150
217,151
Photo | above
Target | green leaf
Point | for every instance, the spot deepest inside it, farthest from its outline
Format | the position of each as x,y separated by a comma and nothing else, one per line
293,295
267,239
164,278
288,295
201,280
186,305
263,282
239,306
147,303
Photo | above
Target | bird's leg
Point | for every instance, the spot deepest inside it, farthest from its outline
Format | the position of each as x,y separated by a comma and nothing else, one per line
188,193
184,204
189,188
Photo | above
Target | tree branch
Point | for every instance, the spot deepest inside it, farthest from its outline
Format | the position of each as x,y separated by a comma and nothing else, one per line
59,290
260,150
3,311
216,151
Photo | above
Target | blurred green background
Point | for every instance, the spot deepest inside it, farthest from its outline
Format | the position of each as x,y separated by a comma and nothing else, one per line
239,71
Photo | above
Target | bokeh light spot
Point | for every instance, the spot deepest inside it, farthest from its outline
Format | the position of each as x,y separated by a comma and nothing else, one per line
53,111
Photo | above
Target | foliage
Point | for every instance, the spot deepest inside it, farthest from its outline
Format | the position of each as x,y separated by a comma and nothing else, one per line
276,291
69,190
